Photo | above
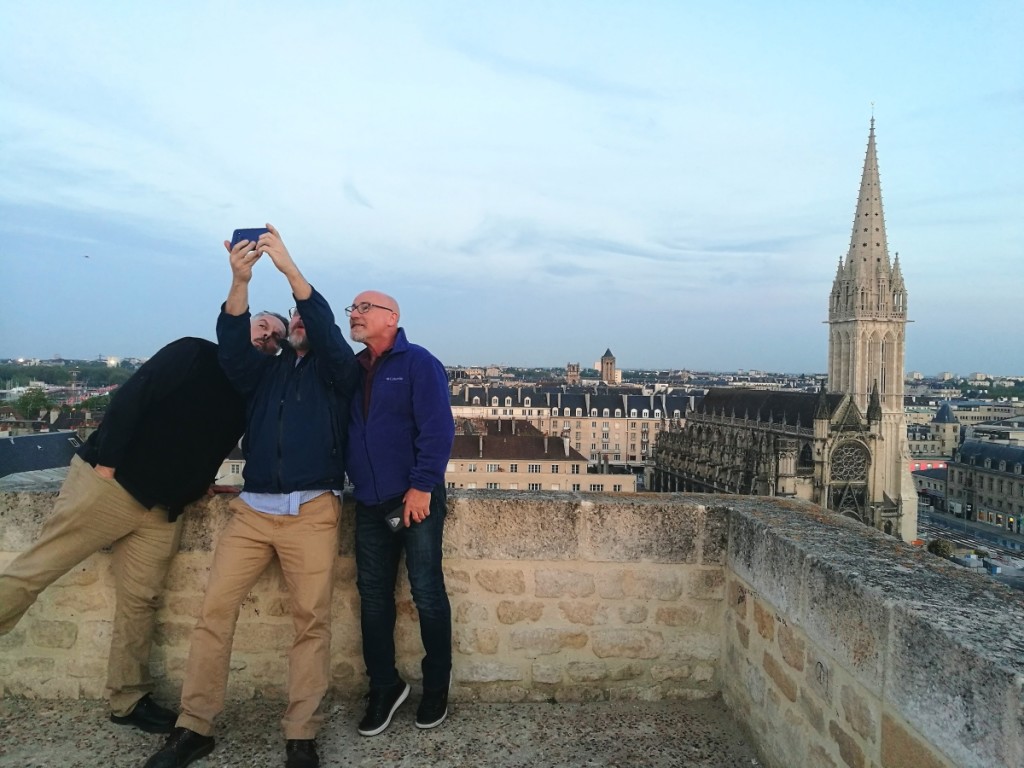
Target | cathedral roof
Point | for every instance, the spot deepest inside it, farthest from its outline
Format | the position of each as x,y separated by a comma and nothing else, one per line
869,250
791,408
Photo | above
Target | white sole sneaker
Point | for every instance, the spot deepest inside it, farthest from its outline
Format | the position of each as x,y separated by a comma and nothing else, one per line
386,723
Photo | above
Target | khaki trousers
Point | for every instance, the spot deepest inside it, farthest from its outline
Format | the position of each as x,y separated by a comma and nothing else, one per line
306,545
92,513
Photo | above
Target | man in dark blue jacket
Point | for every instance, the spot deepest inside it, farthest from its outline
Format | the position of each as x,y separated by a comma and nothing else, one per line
400,439
294,447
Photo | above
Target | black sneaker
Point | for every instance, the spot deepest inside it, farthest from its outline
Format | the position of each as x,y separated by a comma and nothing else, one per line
433,708
381,705
301,753
181,748
148,716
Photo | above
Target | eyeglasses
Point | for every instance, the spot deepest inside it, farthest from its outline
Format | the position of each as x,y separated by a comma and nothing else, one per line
363,307
293,312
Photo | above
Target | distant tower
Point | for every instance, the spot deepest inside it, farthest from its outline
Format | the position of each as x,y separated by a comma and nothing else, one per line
867,318
572,373
608,367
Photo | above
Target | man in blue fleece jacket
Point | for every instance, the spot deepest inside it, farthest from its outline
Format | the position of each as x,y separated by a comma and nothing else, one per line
400,439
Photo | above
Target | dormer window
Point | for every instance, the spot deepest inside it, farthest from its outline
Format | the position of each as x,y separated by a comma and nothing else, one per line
646,414
508,402
605,413
632,413
579,412
494,401
526,402
593,411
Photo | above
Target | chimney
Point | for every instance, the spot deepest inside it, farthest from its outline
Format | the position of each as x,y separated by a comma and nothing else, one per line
565,444
545,445
513,426
481,446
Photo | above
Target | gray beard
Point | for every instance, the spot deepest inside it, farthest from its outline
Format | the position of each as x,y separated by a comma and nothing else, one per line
300,344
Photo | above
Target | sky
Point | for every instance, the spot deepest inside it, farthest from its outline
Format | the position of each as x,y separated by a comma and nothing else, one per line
535,182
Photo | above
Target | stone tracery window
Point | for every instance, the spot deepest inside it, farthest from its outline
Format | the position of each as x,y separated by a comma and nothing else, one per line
850,463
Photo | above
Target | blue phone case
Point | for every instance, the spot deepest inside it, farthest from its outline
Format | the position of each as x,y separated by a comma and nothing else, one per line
252,235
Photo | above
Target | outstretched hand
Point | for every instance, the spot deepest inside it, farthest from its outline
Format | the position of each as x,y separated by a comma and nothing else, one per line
242,258
271,244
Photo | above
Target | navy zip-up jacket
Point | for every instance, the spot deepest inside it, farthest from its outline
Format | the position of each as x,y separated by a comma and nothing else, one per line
404,439
296,422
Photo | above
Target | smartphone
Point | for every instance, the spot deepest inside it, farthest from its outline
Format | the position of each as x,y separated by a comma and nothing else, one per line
394,513
252,235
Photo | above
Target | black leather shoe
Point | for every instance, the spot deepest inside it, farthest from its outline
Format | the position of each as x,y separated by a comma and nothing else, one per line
301,753
148,716
181,748
380,706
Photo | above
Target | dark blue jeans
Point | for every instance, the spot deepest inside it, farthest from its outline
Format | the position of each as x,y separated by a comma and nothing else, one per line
378,551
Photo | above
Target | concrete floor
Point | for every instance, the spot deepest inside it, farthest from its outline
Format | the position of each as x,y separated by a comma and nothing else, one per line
703,734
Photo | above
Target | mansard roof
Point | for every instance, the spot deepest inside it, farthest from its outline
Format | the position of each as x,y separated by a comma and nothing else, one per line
39,450
773,406
980,450
517,447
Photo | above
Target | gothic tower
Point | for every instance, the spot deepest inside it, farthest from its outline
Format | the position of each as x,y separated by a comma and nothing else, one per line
867,319
608,367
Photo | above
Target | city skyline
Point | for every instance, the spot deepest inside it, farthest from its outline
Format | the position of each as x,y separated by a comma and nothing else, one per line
533,184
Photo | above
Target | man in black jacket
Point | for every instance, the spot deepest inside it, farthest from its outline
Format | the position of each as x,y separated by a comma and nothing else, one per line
295,438
162,439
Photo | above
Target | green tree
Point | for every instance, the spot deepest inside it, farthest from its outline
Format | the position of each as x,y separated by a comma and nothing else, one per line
32,402
941,547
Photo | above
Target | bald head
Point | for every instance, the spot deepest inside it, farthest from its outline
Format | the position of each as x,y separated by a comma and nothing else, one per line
373,320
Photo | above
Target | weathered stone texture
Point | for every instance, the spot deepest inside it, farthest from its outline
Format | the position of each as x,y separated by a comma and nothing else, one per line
849,750
587,614
563,583
627,643
765,620
859,713
778,675
791,645
901,749
514,612
502,582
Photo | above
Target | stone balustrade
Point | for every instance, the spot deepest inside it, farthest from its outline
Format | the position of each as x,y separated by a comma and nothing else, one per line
832,643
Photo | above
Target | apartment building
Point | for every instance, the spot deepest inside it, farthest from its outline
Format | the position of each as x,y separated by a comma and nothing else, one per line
985,482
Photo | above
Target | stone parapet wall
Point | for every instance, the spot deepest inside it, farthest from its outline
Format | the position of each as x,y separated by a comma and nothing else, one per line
845,647
834,644
554,597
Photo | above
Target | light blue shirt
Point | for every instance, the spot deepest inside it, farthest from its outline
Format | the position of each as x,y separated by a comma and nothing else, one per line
281,503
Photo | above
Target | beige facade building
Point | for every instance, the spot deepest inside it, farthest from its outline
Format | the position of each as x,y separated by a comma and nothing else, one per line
985,482
616,431
844,448
515,456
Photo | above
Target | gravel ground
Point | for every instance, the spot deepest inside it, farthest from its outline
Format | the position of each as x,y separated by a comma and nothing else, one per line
702,734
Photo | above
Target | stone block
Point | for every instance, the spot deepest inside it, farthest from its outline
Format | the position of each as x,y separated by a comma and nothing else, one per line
473,640
777,673
792,647
653,528
812,711
507,525
764,618
53,634
849,621
707,584
677,616
715,544
662,672
563,583
819,758
632,614
772,565
849,750
737,598
587,614
456,581
860,713
544,641
514,612
640,585
901,748
544,672
586,671
502,693
950,684
467,612
743,634
627,643
487,672
502,582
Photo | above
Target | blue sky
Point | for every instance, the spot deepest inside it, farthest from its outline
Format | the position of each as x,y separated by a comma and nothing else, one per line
534,181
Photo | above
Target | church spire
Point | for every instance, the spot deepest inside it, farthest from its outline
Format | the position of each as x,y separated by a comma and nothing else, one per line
868,246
